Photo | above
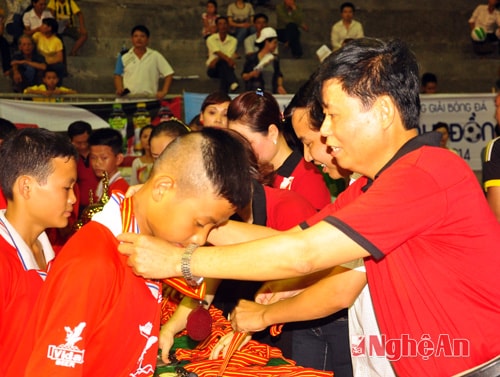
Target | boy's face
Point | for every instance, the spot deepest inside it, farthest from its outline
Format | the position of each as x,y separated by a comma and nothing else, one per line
102,159
50,80
190,218
139,39
52,202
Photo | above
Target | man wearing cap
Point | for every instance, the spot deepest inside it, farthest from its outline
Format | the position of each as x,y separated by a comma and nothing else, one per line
263,66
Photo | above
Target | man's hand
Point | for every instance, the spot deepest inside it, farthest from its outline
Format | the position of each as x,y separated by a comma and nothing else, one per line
150,257
248,316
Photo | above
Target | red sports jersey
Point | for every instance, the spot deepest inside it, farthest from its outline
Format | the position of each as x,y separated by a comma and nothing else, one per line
296,174
86,180
3,201
433,269
19,289
95,317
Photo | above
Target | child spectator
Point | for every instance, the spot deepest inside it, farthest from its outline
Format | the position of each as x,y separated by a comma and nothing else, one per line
49,87
141,166
38,174
28,65
106,156
213,111
208,18
79,133
32,20
64,11
50,46
199,181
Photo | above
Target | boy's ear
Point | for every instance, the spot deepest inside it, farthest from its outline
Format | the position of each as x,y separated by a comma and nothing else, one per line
119,159
162,185
23,186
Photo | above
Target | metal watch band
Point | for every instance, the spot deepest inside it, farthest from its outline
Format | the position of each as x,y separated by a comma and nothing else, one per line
193,281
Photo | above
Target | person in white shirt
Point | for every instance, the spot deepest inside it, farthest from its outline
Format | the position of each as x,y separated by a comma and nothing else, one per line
347,27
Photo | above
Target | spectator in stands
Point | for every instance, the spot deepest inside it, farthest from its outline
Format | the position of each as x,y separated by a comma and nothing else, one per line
14,23
484,26
27,65
65,12
260,21
49,88
221,54
240,17
138,70
50,46
213,112
491,168
290,20
4,46
264,66
208,18
429,83
32,20
347,27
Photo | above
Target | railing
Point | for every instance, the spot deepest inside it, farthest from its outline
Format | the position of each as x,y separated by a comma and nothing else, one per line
84,97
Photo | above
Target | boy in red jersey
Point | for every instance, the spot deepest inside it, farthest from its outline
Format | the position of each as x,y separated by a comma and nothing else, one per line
106,156
95,317
38,174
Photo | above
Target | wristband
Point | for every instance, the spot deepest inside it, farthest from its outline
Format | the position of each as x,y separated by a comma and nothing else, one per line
193,281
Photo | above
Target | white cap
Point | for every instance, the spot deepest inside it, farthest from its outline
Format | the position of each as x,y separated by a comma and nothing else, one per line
266,33
323,52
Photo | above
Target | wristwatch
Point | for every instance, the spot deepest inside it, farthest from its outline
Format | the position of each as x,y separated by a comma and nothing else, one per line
193,281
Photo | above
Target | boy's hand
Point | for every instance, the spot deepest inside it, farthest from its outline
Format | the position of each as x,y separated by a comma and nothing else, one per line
132,190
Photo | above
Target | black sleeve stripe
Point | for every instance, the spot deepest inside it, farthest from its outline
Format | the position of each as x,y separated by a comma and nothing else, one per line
355,236
304,225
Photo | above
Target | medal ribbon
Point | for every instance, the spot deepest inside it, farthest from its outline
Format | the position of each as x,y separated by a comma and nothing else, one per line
129,225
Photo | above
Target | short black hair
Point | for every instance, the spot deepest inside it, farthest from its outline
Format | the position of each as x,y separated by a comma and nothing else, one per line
52,23
79,127
439,125
107,136
347,5
30,151
428,77
6,128
50,70
140,28
368,68
171,127
260,15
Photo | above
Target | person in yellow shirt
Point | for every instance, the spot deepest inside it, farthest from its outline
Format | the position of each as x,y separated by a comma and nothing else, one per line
63,11
49,88
50,46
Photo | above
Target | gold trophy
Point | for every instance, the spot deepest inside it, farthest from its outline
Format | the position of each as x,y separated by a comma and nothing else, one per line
94,208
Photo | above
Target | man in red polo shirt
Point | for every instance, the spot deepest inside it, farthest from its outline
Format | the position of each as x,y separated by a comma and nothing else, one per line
418,217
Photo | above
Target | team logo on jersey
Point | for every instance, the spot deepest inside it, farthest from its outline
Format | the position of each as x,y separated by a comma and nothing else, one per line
286,183
68,355
147,369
